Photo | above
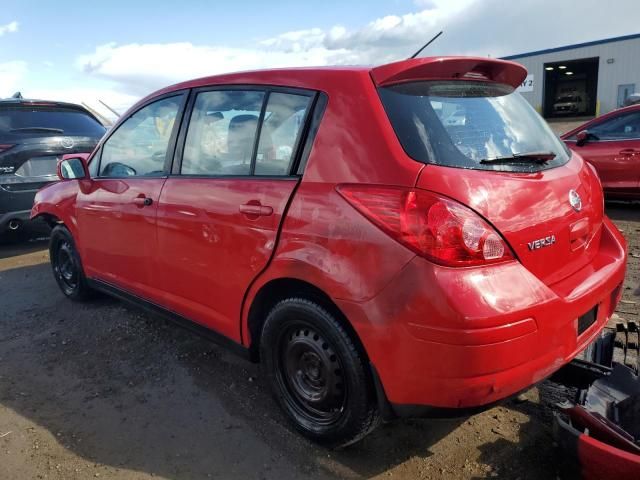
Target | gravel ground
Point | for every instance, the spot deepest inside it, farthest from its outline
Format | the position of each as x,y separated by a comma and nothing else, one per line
562,125
104,390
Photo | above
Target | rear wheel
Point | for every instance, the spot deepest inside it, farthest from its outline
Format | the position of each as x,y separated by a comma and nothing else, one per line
317,374
66,265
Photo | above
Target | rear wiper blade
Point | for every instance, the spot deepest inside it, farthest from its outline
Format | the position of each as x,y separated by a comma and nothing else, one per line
536,157
37,129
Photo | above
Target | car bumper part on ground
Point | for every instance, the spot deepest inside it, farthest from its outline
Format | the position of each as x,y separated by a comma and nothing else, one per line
600,434
596,459
477,336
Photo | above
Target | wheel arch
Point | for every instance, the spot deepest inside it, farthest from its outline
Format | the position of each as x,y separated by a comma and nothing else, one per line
278,289
49,218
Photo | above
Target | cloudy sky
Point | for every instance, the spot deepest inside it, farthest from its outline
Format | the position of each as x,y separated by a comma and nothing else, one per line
118,51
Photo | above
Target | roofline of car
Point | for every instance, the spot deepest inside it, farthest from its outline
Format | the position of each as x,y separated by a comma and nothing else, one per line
33,101
381,75
51,103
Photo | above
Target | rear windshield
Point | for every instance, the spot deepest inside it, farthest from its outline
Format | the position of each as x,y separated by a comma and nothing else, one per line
47,121
469,124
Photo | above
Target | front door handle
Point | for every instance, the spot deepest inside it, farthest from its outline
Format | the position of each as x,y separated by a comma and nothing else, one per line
142,201
256,210
628,152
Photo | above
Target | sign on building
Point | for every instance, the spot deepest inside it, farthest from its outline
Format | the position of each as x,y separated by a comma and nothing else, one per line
526,85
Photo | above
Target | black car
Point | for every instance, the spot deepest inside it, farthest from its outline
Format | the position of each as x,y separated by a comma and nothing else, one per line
34,134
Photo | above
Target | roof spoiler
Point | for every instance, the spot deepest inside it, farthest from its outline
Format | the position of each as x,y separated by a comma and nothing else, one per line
447,68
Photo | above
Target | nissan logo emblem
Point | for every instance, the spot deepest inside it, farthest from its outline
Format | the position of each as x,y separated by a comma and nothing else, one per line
575,200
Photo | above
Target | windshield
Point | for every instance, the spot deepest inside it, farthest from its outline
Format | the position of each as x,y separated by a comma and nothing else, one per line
462,124
47,121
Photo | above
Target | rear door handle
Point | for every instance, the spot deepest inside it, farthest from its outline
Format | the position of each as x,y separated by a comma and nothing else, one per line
256,210
142,201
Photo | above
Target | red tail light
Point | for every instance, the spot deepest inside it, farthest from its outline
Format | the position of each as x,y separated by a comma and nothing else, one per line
5,146
437,228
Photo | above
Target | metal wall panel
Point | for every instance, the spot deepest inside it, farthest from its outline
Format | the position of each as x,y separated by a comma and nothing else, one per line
624,69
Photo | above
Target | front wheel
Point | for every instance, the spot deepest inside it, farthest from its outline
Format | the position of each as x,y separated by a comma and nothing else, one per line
317,374
66,265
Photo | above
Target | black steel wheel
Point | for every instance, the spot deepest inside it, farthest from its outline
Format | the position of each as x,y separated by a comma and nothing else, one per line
66,265
317,374
311,374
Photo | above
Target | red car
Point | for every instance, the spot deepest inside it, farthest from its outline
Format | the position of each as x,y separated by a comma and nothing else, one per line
611,143
378,260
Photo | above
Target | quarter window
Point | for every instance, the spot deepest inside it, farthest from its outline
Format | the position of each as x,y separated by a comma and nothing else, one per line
283,121
222,132
139,146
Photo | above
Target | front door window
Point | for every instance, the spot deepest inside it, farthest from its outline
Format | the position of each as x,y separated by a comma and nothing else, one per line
139,146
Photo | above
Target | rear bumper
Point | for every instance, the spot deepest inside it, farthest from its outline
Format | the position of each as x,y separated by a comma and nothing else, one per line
446,338
16,200
6,218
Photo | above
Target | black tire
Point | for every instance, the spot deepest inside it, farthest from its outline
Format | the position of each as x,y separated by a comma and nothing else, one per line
317,374
66,265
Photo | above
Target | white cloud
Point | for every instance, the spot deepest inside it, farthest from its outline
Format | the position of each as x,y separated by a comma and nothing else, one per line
141,68
471,27
14,76
9,28
11,75
89,96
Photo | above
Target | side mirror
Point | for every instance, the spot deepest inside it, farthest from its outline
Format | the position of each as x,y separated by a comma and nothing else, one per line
582,138
73,168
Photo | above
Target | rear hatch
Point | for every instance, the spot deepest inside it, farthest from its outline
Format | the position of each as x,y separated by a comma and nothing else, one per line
532,212
34,136
485,147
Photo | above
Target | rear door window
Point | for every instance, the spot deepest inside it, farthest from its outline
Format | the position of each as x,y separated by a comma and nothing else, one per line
26,120
468,124
222,133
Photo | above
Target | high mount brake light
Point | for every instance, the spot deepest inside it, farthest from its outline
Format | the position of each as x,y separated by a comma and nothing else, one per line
436,228
5,146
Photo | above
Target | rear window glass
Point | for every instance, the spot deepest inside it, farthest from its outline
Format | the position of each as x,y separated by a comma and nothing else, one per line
469,125
39,121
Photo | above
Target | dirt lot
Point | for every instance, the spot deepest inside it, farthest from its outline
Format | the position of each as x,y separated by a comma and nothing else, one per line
104,390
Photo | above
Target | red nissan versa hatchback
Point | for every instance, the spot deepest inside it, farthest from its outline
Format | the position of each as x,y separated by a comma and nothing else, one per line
378,259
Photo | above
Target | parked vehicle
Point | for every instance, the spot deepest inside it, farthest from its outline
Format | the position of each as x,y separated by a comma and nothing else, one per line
34,134
377,261
570,104
611,143
632,99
